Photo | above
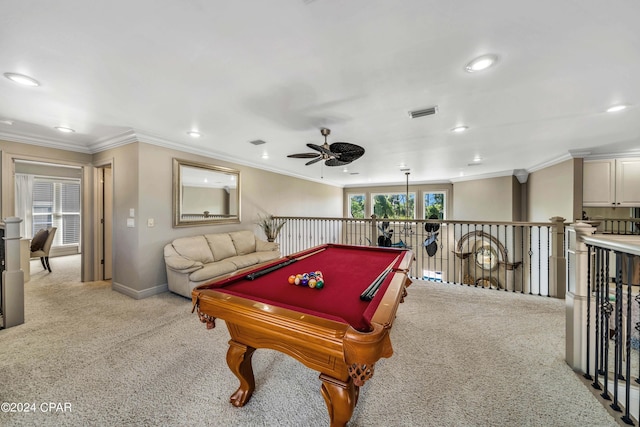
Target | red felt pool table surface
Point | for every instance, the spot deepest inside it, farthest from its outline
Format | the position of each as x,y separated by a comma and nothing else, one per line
347,270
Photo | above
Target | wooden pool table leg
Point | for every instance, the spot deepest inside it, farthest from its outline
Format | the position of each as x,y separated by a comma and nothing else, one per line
239,361
341,399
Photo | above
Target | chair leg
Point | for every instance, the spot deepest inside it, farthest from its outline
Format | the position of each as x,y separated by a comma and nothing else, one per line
43,263
48,265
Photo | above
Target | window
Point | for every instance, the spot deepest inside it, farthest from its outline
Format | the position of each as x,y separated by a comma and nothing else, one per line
356,206
56,203
435,205
394,205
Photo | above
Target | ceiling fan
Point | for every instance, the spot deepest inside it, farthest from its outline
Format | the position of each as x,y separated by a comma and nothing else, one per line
336,154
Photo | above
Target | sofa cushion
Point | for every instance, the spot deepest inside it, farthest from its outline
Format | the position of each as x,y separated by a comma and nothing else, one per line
195,248
267,256
242,261
221,246
244,241
175,261
212,270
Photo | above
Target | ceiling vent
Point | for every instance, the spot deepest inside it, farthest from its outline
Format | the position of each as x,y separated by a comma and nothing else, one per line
425,112
257,142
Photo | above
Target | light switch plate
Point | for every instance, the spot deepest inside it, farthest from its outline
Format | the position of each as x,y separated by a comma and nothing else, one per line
132,213
131,222
150,222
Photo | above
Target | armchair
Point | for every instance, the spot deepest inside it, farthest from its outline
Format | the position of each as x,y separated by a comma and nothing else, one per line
43,251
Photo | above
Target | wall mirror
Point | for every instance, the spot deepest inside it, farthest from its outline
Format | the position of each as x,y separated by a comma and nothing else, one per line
204,194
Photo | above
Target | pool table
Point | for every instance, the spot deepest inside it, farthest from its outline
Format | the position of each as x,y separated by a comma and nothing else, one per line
331,330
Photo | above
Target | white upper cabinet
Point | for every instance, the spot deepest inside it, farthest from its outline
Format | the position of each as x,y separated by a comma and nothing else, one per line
611,183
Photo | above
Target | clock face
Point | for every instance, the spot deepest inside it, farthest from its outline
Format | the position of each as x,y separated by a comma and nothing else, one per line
486,257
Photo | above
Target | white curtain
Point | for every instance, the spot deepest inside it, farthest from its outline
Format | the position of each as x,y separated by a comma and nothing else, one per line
24,203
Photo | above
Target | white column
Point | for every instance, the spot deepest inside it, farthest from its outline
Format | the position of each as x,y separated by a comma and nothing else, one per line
576,296
12,276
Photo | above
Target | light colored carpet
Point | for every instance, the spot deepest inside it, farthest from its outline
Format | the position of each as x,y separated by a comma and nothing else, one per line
463,357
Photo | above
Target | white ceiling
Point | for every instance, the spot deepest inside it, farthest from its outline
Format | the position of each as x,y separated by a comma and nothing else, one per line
279,70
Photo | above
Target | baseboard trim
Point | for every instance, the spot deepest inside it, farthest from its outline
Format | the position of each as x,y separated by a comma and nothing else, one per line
135,294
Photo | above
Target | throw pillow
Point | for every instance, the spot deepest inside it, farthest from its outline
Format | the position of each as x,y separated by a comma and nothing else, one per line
37,243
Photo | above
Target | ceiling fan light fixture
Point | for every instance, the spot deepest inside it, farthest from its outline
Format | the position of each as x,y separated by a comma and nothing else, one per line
481,63
22,79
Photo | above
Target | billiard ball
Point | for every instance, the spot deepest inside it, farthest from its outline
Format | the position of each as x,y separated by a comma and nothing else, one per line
312,283
304,282
297,281
319,284
292,279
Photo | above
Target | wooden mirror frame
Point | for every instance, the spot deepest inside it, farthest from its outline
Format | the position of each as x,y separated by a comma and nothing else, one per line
216,175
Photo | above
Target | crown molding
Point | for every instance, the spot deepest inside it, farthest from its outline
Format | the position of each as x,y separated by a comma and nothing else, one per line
103,144
484,176
43,142
550,163
161,142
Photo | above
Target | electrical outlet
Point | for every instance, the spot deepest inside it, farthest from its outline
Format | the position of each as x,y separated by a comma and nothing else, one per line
131,222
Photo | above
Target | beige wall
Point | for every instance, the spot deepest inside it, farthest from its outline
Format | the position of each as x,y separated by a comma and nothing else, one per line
552,192
490,199
143,181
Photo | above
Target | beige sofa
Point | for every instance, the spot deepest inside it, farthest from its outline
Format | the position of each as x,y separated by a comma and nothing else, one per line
192,261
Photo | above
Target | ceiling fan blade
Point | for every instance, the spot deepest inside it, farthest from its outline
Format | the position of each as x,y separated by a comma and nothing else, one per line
348,152
310,162
303,155
336,162
320,148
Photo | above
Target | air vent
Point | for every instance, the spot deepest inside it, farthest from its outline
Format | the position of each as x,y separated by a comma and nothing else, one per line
421,113
354,173
257,142
474,164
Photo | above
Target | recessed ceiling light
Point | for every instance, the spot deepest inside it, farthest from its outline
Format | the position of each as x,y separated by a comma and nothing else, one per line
616,108
477,159
6,122
194,134
481,63
459,129
22,79
265,156
64,129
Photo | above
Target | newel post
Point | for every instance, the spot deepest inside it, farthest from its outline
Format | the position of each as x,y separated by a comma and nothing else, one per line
374,230
577,298
12,276
557,261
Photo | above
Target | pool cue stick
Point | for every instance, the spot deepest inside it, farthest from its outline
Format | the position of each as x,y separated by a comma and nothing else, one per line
256,274
371,290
